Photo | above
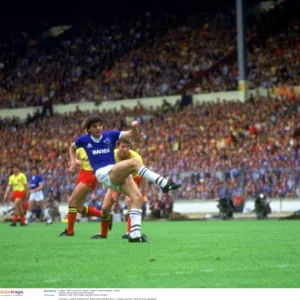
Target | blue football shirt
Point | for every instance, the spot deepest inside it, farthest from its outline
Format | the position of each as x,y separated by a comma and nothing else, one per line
99,151
34,181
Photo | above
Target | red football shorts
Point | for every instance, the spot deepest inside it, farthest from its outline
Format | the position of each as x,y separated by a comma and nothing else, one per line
137,180
88,178
18,194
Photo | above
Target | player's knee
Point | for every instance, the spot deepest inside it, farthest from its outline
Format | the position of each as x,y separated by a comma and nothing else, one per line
135,163
137,199
18,202
80,208
114,196
72,201
128,201
105,210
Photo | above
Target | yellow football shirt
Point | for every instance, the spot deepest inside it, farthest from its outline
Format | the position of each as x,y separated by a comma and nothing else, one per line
18,182
85,163
132,154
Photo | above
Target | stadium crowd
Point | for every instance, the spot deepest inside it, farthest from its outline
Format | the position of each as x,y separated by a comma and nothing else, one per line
273,63
246,146
56,67
140,58
145,57
166,65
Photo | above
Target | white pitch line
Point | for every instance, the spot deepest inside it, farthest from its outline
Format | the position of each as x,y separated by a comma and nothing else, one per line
212,270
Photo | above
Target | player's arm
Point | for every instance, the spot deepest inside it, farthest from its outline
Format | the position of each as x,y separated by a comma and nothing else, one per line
7,191
73,157
133,133
26,190
79,157
145,189
39,188
25,186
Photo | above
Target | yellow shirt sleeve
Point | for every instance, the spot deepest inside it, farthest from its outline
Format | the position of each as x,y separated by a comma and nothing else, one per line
116,155
84,160
134,154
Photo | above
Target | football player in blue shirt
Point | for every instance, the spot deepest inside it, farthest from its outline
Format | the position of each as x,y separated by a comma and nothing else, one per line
36,183
99,145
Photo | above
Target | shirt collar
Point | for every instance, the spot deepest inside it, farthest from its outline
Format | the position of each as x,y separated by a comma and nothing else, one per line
96,140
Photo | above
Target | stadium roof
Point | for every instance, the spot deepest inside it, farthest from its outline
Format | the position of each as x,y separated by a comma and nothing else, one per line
28,14
15,11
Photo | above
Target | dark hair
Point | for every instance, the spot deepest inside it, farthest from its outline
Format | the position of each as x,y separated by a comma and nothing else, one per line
296,133
92,119
15,166
123,141
35,168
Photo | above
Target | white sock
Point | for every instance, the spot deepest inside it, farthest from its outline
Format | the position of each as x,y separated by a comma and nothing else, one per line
136,220
46,215
153,177
28,215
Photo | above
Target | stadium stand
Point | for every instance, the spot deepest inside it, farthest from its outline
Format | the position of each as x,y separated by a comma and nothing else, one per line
271,63
213,143
55,67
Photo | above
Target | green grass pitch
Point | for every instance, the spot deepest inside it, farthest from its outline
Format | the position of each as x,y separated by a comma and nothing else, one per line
195,254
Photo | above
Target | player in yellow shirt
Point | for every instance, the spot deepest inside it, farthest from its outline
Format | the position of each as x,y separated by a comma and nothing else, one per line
18,183
85,183
123,152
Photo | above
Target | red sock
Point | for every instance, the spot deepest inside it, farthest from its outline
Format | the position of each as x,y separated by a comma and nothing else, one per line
71,219
128,223
104,227
22,218
15,218
91,211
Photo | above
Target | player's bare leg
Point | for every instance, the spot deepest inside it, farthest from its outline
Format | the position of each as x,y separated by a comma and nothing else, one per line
128,219
45,212
123,169
131,190
128,205
110,198
19,209
114,198
16,212
29,211
76,204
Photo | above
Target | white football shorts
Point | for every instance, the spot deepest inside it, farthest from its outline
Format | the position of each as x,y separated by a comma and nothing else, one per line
37,196
102,175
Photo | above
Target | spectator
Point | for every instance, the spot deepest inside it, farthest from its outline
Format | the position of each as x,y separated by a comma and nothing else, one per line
155,207
167,206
